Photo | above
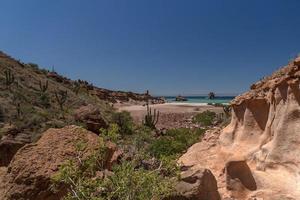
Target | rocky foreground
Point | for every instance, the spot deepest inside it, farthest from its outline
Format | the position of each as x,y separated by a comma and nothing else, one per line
257,155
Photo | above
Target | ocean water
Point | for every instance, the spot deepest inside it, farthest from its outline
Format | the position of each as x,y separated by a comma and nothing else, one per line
201,99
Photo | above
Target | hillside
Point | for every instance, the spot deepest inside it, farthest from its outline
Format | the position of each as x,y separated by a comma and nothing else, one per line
33,99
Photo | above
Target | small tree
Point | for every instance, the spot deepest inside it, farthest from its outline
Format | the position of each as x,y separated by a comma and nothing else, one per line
61,98
150,119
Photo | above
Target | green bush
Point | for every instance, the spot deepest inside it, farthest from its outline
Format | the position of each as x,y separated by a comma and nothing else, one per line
112,133
175,141
124,121
205,118
128,181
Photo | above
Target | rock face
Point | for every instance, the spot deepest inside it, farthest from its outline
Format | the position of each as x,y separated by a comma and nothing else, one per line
28,175
257,154
91,117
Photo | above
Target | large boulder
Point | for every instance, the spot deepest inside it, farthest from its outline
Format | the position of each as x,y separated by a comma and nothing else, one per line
197,184
91,116
29,173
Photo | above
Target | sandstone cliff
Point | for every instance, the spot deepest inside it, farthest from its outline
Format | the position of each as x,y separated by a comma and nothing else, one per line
257,154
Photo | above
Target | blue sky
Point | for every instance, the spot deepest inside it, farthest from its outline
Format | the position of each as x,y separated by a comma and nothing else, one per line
167,46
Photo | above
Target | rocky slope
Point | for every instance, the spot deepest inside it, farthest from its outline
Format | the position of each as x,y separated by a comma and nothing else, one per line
33,100
257,154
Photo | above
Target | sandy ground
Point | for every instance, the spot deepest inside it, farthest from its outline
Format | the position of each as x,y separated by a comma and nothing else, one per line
172,115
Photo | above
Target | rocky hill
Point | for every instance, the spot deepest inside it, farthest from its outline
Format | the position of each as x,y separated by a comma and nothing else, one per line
257,155
33,100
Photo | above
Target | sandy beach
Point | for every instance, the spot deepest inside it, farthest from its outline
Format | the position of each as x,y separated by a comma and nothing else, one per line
172,115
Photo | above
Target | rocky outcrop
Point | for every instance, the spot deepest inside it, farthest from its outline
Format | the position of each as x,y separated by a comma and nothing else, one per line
180,98
256,155
28,175
91,117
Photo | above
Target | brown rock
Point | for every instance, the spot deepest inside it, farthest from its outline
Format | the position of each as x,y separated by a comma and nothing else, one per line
91,117
112,156
29,172
197,184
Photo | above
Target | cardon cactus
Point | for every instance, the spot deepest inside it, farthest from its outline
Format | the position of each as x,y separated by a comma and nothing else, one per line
9,78
43,87
150,119
61,98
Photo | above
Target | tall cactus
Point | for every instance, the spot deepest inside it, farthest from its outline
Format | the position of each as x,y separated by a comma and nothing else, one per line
9,78
43,87
150,119
61,98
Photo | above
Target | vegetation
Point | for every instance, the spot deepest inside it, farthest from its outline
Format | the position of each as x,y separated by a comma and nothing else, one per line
43,87
151,119
124,121
175,141
129,180
61,98
9,78
205,118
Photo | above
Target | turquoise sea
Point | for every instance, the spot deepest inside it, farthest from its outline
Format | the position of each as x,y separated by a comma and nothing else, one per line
202,99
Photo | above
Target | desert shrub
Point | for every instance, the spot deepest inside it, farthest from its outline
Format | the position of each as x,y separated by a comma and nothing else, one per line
205,118
112,133
124,121
137,184
128,181
44,100
175,141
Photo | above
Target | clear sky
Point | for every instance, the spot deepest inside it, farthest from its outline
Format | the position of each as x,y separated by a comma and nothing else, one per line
167,46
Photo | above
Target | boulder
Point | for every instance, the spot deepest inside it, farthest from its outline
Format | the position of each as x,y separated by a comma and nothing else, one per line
91,117
29,173
197,184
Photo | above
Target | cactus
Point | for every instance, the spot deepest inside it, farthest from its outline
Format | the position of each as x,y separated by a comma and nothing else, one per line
43,87
151,119
9,78
61,98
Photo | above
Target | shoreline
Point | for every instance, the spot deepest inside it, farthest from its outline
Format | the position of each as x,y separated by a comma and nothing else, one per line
172,115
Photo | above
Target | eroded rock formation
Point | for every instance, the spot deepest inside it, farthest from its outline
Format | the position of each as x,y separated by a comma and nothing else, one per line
257,154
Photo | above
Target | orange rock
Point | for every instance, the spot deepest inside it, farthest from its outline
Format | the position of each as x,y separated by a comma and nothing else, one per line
29,172
264,136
